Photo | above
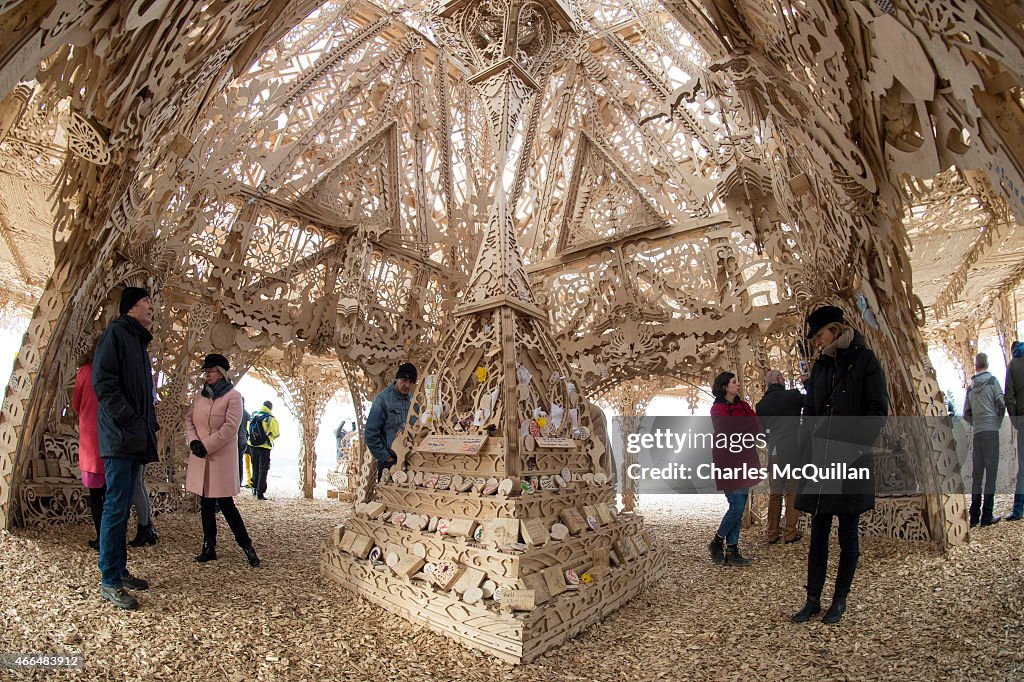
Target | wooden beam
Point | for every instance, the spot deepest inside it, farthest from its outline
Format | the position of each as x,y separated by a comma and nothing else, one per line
656,233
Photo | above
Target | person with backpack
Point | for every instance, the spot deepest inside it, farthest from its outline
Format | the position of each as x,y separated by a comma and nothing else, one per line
263,431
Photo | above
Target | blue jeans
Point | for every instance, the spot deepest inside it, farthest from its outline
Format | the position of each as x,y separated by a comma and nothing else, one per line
121,475
1018,498
733,519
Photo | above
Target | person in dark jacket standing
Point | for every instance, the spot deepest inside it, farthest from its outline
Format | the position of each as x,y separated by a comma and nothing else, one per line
844,410
243,440
779,411
122,378
387,417
1014,399
734,466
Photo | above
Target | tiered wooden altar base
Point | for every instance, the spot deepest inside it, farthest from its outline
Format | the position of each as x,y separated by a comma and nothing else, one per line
516,637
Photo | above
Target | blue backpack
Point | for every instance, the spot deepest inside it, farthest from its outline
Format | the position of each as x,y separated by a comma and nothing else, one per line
257,429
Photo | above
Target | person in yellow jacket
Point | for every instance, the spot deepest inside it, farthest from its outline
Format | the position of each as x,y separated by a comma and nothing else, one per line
263,431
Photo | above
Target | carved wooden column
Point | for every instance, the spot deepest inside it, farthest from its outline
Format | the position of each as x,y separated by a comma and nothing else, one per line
306,389
630,401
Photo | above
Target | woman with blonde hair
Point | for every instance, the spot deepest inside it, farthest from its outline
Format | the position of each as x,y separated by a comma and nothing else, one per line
211,428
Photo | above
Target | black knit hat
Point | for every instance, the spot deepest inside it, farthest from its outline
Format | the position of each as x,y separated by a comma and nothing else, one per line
406,371
217,361
129,297
824,315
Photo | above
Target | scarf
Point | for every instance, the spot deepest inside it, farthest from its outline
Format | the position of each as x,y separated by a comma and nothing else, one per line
841,343
214,391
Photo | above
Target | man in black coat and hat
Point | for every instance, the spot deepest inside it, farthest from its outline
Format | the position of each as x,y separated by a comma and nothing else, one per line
122,378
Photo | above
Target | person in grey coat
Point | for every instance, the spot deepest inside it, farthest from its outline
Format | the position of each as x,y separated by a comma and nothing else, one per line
387,417
984,408
1014,398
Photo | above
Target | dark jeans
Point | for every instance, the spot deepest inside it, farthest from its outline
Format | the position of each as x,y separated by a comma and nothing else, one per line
1018,498
121,475
986,464
208,512
96,496
260,467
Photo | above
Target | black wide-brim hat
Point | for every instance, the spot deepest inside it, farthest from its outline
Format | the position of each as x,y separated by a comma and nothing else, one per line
824,315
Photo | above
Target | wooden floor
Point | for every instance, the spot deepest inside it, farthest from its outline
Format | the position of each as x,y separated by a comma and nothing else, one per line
913,614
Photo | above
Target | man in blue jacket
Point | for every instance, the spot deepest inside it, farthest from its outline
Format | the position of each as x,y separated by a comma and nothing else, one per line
122,377
387,417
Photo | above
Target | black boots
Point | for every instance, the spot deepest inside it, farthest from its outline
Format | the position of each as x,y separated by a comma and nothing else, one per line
209,552
844,579
734,558
250,554
815,581
720,556
817,563
717,549
835,610
145,535
811,607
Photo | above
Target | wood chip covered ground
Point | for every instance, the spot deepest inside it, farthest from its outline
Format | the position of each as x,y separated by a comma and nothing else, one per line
914,614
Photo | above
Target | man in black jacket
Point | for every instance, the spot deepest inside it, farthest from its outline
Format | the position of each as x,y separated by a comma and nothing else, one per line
1014,399
122,377
779,411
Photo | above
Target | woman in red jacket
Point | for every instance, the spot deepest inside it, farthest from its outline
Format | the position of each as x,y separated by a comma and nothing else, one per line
735,464
84,403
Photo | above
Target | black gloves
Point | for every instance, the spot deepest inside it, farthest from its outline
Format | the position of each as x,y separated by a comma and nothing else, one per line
198,449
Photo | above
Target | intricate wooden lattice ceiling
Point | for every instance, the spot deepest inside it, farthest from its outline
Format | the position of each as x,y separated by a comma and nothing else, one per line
689,177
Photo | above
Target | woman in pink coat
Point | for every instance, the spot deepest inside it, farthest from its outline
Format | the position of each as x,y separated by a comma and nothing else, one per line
84,403
211,427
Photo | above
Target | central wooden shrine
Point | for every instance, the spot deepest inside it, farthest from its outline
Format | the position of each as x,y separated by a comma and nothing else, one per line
498,525
511,575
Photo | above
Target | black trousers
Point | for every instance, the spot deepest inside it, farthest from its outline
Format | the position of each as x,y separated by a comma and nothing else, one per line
260,467
96,497
817,555
208,510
